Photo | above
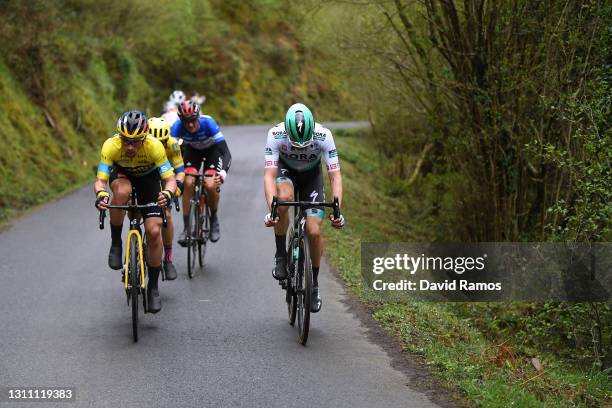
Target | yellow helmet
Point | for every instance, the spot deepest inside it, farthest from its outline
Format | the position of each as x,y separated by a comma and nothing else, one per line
159,128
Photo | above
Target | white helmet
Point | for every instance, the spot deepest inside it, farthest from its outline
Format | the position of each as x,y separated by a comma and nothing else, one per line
177,97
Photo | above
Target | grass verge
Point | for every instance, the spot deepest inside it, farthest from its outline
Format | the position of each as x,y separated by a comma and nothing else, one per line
491,368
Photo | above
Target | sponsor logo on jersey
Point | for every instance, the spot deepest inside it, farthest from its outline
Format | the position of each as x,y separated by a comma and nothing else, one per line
268,150
271,163
333,153
165,167
302,156
318,136
333,166
279,135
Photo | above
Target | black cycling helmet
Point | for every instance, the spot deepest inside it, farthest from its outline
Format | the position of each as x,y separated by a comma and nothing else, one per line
133,124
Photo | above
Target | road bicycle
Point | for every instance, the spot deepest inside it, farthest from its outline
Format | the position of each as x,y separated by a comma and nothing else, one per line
298,285
198,224
134,268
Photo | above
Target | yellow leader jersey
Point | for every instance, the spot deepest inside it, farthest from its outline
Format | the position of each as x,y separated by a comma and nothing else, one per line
173,152
151,155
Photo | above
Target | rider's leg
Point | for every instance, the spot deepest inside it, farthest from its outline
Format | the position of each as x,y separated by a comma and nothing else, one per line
153,227
313,231
187,194
315,241
121,188
212,195
284,192
167,237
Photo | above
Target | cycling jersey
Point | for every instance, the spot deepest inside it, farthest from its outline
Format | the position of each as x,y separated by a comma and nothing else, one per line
207,135
171,116
149,156
278,148
173,152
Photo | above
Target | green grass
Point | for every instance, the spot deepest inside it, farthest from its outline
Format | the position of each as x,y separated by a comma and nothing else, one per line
490,370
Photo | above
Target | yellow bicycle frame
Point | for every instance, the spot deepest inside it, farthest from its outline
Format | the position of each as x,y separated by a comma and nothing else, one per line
127,257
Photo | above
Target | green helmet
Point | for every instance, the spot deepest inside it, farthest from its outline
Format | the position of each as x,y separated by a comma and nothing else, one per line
299,124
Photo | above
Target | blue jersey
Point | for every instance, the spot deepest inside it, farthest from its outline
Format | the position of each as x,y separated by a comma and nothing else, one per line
208,134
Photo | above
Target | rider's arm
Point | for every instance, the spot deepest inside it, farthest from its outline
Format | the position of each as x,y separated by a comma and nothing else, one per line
270,184
162,163
226,156
176,159
335,180
271,167
107,155
333,165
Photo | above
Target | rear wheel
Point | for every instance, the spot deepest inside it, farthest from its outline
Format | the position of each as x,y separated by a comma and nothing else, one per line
192,241
134,280
303,290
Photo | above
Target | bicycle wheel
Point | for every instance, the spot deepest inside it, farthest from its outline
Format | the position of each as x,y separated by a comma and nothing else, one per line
194,232
303,290
290,296
134,281
204,229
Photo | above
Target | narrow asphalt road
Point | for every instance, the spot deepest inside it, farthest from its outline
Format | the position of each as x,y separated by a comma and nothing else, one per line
222,339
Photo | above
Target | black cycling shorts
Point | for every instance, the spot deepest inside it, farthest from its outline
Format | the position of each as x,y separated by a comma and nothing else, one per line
211,157
147,189
307,185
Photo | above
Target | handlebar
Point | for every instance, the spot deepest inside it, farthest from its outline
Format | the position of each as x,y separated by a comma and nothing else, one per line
132,207
304,204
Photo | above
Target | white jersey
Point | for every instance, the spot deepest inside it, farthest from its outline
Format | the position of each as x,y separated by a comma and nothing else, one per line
278,148
171,116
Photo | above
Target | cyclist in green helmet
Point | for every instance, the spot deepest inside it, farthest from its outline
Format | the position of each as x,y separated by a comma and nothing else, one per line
293,166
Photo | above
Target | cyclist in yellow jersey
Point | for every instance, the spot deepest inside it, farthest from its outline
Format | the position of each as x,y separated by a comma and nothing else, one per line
131,158
160,129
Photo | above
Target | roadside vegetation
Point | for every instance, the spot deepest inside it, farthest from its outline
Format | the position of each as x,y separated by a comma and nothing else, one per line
69,68
490,122
496,354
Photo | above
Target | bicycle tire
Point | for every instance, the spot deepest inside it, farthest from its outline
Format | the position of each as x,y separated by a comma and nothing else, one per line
204,230
134,275
193,228
304,290
290,296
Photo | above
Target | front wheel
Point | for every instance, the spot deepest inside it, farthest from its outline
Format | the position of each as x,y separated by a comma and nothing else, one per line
133,271
303,290
204,229
192,240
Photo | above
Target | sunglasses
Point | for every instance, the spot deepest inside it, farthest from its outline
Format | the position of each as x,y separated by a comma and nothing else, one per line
131,141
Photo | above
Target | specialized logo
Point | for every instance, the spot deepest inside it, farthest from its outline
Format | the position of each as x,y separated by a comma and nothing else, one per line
314,195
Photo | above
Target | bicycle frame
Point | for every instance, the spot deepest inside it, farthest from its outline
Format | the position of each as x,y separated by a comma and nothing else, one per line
132,209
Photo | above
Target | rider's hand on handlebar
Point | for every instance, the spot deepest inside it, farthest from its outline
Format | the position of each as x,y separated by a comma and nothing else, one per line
337,222
269,221
219,178
179,188
163,198
102,199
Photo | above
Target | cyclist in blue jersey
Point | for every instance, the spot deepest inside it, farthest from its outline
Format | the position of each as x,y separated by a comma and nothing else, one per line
203,141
